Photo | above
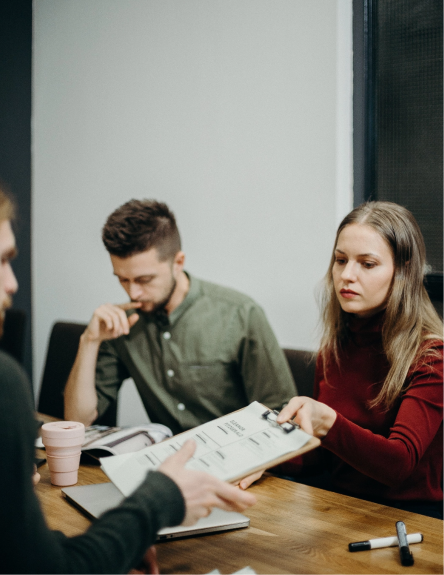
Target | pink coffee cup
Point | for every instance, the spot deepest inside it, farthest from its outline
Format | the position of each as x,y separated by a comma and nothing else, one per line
64,470
63,441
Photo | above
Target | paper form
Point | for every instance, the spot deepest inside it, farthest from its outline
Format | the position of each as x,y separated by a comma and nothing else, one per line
230,448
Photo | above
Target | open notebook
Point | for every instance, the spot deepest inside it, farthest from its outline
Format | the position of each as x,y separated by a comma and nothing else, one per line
100,497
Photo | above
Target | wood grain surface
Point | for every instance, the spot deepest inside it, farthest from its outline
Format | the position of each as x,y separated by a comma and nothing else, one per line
293,529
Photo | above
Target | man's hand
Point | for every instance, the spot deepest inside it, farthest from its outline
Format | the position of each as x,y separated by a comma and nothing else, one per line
149,563
110,321
201,490
314,417
35,476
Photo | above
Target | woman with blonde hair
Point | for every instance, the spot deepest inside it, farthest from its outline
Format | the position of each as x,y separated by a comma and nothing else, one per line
378,394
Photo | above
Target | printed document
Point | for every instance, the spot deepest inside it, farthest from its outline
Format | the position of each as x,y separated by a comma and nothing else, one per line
230,447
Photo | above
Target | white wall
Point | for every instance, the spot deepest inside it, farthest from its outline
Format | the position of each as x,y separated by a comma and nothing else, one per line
237,113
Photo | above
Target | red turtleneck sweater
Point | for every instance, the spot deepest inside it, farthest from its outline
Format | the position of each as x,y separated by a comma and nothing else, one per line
397,454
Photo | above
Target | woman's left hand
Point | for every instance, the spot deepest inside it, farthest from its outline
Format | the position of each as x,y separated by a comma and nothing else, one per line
247,481
314,417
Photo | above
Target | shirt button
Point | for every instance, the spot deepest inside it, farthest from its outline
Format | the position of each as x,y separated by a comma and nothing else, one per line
180,406
167,335
170,373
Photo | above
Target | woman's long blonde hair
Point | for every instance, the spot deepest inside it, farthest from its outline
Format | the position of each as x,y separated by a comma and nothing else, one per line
410,318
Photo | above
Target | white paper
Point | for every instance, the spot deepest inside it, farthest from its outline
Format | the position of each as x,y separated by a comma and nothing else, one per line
229,447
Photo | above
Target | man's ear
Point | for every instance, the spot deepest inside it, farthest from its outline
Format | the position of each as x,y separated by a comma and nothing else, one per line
179,261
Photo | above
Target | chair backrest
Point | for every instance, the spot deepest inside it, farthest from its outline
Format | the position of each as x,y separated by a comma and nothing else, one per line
62,351
302,367
13,340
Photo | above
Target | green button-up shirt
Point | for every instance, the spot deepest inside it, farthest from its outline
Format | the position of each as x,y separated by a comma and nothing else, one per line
217,353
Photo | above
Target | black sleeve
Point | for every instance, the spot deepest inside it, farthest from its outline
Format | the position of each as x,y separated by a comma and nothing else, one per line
113,544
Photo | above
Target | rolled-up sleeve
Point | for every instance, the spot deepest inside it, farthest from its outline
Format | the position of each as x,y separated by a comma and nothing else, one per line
110,374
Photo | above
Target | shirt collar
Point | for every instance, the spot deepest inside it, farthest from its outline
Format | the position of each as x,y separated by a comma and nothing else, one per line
371,324
192,295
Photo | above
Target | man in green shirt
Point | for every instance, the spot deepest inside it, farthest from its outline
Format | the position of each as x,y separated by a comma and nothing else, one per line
195,350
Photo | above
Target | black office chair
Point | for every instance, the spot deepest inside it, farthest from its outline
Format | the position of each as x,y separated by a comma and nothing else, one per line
302,367
433,284
62,350
13,340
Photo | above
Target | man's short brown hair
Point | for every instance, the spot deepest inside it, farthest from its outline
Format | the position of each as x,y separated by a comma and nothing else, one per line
7,208
140,225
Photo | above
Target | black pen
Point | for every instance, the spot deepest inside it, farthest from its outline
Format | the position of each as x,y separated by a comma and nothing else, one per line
404,550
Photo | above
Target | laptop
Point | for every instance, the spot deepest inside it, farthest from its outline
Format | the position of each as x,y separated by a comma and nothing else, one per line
94,500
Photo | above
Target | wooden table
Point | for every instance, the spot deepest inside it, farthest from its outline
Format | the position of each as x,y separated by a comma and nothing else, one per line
293,529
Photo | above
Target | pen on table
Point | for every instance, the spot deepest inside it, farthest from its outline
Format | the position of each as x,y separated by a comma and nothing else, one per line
383,542
404,550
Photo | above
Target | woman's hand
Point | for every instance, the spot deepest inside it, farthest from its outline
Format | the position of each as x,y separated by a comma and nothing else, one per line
247,481
314,417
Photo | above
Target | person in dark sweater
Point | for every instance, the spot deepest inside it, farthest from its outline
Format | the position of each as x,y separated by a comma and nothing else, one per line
378,394
119,540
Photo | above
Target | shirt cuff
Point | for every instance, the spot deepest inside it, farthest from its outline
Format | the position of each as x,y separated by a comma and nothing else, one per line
331,439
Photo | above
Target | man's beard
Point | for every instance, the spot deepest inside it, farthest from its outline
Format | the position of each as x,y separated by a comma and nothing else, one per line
159,307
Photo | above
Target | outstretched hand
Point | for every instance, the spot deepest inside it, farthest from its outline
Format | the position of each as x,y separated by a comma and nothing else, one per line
314,417
202,491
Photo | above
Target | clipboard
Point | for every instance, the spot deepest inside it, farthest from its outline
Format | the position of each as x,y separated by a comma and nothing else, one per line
231,447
